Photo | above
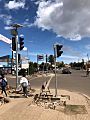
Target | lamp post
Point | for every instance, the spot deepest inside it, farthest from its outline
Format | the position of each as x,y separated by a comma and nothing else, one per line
14,32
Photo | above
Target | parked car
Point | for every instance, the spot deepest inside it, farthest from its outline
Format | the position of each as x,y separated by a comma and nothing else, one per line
77,68
66,71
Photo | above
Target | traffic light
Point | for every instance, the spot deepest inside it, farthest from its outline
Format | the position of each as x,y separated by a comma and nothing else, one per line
58,50
46,58
21,43
13,43
19,58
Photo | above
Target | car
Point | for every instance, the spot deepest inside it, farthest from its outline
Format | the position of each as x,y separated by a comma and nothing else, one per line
66,71
57,70
77,68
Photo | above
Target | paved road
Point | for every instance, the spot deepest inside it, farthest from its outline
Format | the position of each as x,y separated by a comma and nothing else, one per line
35,82
77,81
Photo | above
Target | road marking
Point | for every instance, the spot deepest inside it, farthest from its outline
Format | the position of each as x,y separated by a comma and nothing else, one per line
47,85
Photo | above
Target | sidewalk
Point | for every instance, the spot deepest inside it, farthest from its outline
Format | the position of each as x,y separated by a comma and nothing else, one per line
24,109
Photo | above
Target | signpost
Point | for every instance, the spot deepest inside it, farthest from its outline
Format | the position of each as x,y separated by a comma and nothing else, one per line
39,58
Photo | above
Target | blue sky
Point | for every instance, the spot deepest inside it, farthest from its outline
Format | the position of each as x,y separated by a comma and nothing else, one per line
46,22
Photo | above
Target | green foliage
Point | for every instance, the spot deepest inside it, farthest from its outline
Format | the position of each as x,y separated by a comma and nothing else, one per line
51,59
22,71
78,65
32,67
60,64
35,65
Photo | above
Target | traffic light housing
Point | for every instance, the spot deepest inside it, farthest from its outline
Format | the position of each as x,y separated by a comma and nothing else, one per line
21,39
13,43
19,58
46,58
58,50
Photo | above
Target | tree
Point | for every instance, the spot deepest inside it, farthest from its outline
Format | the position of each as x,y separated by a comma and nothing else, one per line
41,66
60,64
22,71
78,65
51,59
31,68
35,65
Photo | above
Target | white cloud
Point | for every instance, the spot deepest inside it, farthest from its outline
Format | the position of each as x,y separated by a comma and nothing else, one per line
70,57
7,27
15,5
6,18
26,23
87,47
25,48
67,18
21,35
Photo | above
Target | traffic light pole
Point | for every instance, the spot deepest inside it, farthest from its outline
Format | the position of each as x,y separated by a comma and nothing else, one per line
57,53
46,65
12,63
14,32
28,62
16,60
55,70
37,64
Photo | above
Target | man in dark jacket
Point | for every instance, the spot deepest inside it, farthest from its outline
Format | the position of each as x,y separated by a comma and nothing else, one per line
3,84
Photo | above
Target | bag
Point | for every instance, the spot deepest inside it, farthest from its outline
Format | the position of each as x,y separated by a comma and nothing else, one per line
4,83
24,84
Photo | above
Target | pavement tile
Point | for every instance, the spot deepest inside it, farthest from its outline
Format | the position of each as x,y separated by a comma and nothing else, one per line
24,109
49,114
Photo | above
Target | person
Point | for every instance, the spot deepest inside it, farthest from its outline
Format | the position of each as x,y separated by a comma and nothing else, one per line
45,88
24,84
3,84
87,72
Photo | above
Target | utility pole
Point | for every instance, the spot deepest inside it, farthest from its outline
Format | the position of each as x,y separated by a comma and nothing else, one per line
55,70
46,64
14,32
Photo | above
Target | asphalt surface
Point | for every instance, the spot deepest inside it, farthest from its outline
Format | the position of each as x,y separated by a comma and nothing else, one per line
77,81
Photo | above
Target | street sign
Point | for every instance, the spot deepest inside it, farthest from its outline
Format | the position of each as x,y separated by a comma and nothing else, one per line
40,57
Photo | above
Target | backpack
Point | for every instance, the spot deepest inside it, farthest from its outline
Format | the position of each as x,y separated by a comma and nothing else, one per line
24,84
3,83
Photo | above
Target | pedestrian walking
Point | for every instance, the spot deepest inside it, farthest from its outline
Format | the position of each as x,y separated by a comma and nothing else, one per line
87,72
3,84
24,84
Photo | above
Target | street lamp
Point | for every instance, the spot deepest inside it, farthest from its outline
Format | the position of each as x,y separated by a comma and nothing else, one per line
14,32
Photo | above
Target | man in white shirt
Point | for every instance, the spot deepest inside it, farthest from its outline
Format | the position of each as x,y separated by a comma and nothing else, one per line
24,84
